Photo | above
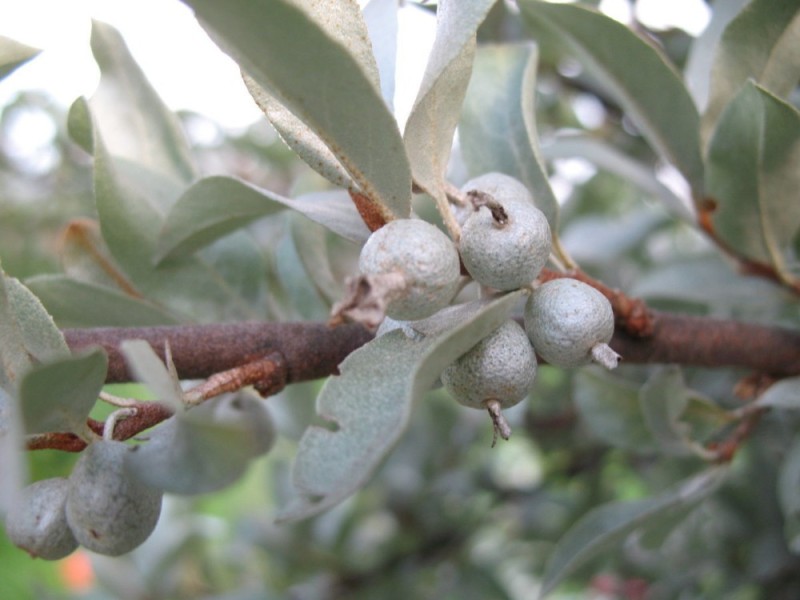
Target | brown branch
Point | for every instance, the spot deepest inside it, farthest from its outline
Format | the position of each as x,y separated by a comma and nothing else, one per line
710,342
310,350
245,353
313,350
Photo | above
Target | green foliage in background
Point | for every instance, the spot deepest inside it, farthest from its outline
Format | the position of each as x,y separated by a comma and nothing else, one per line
683,172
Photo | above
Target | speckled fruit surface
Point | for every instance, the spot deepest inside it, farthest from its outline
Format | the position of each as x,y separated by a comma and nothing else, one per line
424,255
109,511
38,523
565,319
510,255
502,366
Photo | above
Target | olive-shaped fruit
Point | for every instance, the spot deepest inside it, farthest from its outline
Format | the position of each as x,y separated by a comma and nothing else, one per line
496,373
506,241
501,366
38,522
570,324
109,510
422,258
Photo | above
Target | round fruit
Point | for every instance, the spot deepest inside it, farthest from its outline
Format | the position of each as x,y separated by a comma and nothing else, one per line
424,260
38,524
506,241
570,324
503,188
109,510
501,367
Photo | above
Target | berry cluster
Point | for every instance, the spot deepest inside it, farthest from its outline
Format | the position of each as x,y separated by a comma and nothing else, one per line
504,245
100,506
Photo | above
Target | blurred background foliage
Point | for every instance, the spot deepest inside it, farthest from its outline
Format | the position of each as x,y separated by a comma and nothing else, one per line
446,516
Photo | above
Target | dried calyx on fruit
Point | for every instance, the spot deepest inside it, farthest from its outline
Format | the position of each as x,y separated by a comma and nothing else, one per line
505,240
37,523
496,373
409,270
109,510
570,324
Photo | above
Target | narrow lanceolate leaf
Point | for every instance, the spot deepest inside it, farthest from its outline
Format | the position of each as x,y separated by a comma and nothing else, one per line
14,54
754,176
59,395
700,60
636,75
497,129
430,127
215,206
343,21
66,299
608,157
299,136
132,201
315,75
784,394
760,44
604,528
135,122
371,400
149,369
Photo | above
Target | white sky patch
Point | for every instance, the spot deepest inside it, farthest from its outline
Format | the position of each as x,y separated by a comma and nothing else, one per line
180,61
690,15
191,73
416,31
619,10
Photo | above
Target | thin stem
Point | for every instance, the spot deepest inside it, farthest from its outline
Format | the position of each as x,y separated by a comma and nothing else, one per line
117,400
111,421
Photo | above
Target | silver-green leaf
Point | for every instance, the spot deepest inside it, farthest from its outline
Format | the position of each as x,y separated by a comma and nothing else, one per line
298,136
430,127
135,122
783,394
603,528
66,299
754,174
280,46
28,334
58,396
759,44
498,129
370,402
636,75
204,449
149,369
217,205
